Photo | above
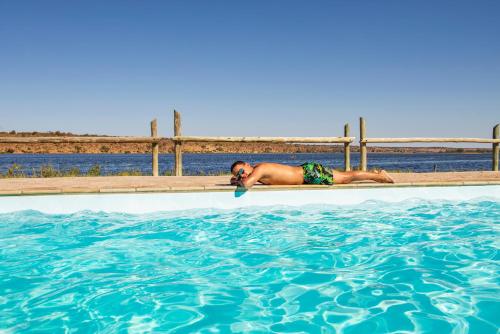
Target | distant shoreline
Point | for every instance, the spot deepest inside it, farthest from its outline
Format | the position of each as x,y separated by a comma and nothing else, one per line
167,146
264,153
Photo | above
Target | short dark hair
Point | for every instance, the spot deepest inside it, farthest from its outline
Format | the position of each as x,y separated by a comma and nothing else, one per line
236,163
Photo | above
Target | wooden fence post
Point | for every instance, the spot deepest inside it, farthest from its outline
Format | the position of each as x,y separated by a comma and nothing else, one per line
177,144
496,147
154,147
362,145
347,150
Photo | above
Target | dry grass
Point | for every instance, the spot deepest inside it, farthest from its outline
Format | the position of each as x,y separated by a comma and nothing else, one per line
46,171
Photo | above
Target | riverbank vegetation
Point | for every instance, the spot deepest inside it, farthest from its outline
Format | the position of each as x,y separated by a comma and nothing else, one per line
44,171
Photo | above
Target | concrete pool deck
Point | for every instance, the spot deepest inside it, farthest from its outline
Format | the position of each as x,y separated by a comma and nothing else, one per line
130,184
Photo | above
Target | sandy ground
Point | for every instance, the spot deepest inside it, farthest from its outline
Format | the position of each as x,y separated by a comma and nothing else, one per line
19,186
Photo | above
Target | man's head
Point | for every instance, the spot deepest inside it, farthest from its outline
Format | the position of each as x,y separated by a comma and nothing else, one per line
237,165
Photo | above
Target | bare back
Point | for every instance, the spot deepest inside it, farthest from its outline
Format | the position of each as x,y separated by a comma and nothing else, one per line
273,173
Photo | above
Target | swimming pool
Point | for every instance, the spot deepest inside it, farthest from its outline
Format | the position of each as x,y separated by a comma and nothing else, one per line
368,265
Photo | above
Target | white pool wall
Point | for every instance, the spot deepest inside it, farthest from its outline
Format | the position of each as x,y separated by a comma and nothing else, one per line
152,202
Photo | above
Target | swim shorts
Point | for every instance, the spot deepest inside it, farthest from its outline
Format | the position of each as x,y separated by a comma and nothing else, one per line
315,173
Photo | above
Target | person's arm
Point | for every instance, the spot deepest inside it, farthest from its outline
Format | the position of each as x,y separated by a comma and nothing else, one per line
234,181
252,179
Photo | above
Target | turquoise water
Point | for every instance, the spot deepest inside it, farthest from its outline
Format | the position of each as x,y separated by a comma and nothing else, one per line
374,268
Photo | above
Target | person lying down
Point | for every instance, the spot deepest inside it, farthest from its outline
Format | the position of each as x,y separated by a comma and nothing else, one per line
245,175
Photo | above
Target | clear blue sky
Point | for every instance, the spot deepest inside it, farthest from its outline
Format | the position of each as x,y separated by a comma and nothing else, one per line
283,68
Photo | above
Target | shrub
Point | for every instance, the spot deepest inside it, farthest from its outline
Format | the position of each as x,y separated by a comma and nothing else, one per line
49,171
94,171
75,171
14,171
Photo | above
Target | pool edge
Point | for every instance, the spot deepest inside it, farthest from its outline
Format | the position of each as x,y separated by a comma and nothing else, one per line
146,202
226,188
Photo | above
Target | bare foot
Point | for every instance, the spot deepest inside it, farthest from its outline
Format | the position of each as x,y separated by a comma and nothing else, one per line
384,177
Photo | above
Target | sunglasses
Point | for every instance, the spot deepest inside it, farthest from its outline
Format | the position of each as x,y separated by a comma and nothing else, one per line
240,172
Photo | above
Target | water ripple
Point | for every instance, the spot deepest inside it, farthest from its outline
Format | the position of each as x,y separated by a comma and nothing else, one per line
374,268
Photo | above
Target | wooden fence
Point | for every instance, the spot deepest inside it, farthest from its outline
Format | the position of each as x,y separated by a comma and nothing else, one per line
178,140
363,141
154,140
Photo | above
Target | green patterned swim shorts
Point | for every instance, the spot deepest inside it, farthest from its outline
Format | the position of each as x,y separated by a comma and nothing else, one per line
315,173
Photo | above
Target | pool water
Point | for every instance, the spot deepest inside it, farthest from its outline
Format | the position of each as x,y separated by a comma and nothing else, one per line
415,266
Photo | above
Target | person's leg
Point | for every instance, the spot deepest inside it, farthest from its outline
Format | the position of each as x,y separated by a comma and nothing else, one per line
348,177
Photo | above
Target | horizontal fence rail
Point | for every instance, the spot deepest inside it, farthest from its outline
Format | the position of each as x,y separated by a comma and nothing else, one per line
363,141
318,140
430,140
